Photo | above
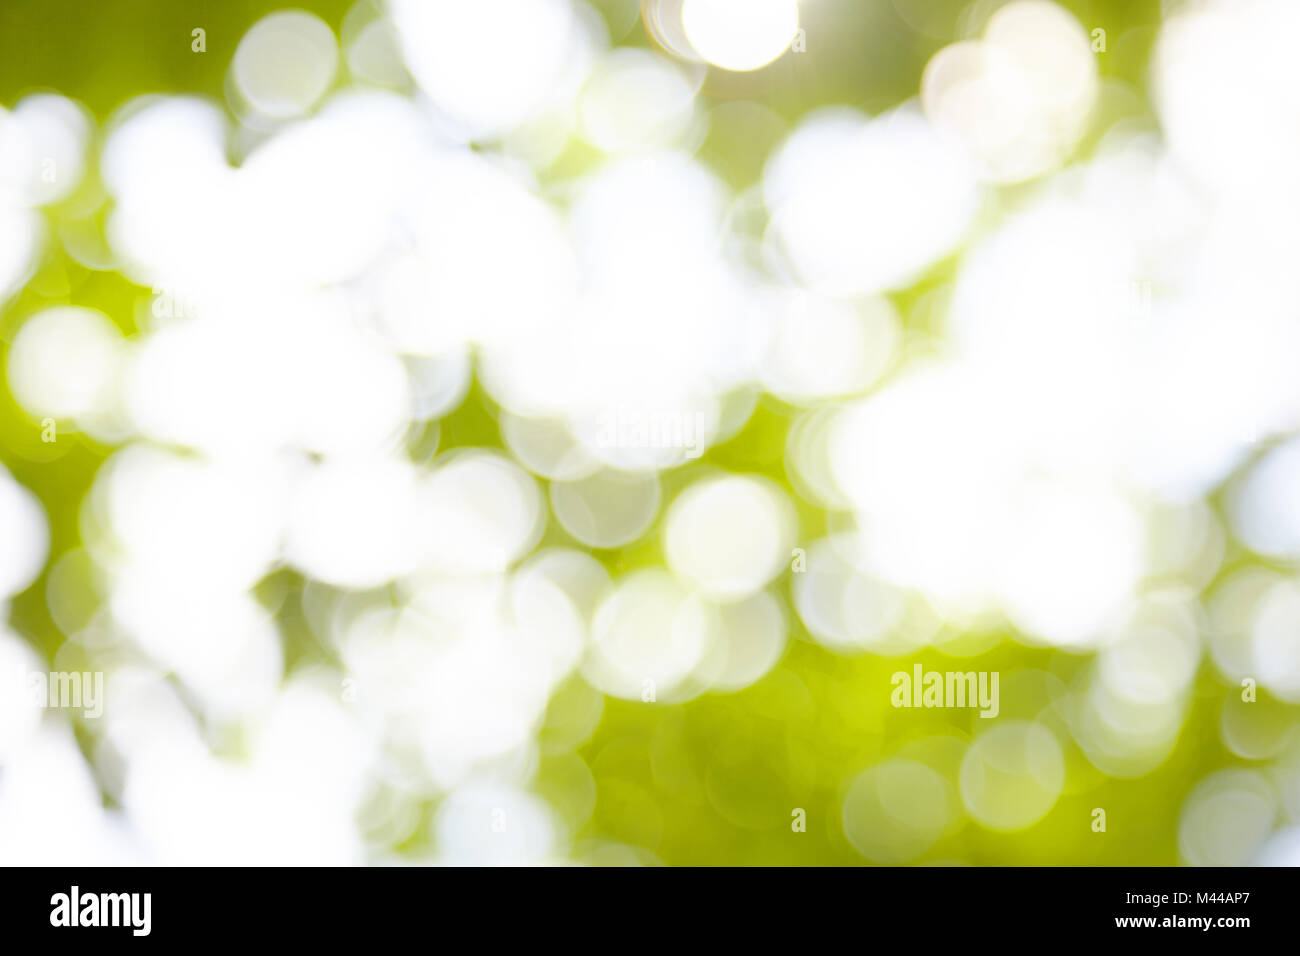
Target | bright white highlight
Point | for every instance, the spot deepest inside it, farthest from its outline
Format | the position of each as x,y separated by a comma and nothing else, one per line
484,512
861,206
648,636
64,362
26,539
825,348
1225,77
43,146
491,65
728,536
1047,413
740,34
284,64
1266,507
1274,648
636,100
356,522
1019,99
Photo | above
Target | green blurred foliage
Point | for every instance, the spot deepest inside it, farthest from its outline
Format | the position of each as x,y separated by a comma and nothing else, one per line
713,780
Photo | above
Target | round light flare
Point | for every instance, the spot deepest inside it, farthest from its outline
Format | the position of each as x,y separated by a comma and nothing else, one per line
1226,819
496,825
931,525
1071,558
543,630
490,262
824,348
729,536
1282,850
808,462
646,232
1275,650
740,35
1051,45
1254,729
64,362
1187,541
485,512
20,231
306,206
463,673
353,522
285,63
637,100
26,539
1232,607
1123,737
438,383
341,393
547,448
1021,97
577,574
608,509
862,205
647,638
751,636
1012,776
43,149
370,46
895,811
311,738
1224,78
225,648
161,153
1154,663
73,590
163,145
492,65
847,611
184,520
1265,508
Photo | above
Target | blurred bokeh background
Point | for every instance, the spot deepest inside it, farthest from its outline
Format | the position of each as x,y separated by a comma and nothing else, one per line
533,431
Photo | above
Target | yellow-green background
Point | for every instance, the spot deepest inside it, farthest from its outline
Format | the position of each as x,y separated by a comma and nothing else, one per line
662,773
